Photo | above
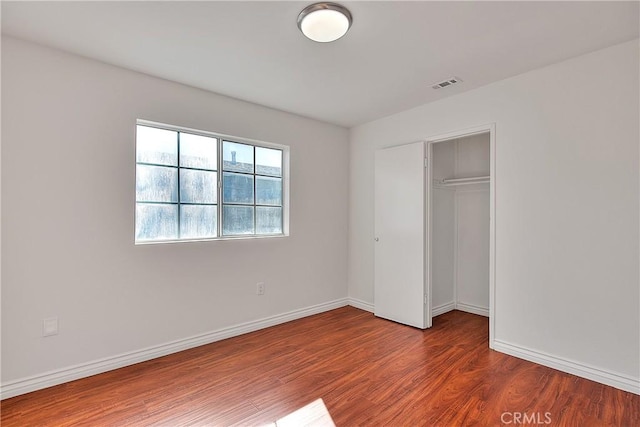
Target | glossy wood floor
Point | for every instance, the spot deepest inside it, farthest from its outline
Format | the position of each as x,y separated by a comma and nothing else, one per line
368,371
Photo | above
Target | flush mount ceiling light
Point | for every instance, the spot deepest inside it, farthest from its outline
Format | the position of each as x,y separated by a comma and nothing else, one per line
324,22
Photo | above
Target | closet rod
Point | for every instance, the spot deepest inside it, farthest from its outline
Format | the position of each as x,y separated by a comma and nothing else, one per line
463,181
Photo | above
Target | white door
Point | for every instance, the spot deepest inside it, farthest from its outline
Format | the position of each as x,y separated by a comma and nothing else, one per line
400,292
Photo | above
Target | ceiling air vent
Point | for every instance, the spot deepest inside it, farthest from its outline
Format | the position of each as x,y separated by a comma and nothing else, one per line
445,83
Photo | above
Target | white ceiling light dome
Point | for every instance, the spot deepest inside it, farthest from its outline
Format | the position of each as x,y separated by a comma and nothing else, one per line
324,22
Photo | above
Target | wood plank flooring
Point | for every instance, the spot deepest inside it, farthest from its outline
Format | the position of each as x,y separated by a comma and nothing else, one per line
368,371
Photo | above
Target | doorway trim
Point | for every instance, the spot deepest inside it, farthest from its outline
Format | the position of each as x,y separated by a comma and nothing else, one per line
491,130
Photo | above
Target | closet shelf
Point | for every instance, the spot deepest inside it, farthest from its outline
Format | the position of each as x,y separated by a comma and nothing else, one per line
450,182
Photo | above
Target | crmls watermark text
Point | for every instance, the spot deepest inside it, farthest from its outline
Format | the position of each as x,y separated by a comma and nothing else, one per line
524,418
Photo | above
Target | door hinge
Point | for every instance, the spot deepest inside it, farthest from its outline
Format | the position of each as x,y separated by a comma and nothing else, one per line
425,299
426,162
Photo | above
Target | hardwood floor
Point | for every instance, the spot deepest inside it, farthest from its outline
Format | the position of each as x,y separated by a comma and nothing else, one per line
367,370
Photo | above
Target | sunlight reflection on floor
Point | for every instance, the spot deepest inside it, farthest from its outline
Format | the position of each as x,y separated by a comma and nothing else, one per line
315,414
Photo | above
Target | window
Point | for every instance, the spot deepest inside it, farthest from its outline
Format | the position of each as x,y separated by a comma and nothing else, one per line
195,185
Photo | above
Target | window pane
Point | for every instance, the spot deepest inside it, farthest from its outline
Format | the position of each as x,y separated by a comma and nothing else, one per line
158,146
237,188
268,220
198,151
237,220
198,186
268,161
198,221
156,222
237,157
268,191
156,184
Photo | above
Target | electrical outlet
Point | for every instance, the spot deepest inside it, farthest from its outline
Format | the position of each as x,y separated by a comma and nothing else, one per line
49,326
260,288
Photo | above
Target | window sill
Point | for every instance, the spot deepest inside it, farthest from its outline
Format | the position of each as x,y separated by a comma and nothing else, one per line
212,239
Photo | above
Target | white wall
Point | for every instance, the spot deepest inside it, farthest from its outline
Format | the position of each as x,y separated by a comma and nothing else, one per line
443,229
472,156
567,276
472,248
68,216
472,225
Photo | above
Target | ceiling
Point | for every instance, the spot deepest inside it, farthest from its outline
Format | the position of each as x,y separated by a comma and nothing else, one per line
385,64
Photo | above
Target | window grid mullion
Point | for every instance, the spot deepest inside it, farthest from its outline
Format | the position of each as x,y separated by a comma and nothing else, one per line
179,200
219,189
255,194
148,202
155,203
156,164
181,167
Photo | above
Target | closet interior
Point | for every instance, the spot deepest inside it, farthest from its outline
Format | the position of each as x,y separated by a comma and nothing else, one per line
460,225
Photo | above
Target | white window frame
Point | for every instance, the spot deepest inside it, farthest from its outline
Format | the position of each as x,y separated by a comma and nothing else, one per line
286,152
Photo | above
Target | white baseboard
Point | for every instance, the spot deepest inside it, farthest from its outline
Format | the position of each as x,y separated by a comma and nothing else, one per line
59,376
362,305
435,311
442,309
473,309
620,381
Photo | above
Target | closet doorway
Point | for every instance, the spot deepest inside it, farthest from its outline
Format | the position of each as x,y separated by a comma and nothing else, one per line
434,225
461,222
